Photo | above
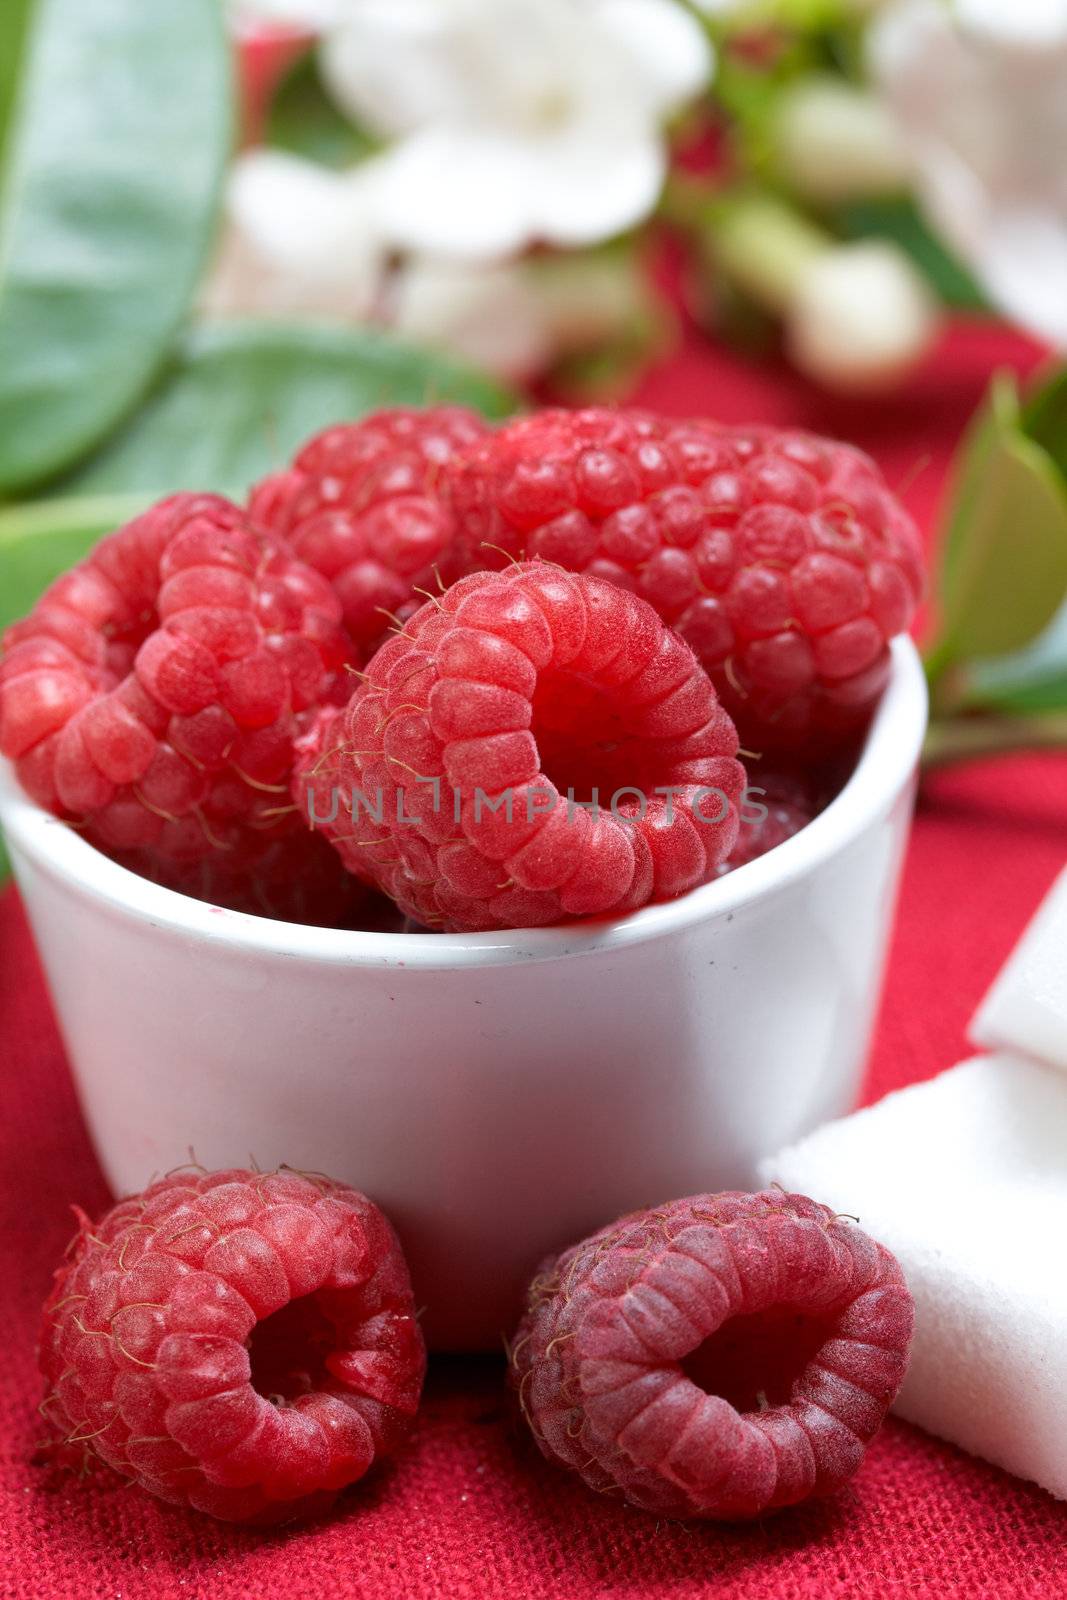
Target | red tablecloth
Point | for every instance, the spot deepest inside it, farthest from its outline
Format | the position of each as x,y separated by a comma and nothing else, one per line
471,1510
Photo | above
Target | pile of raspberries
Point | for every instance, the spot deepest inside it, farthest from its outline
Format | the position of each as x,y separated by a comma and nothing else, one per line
502,675
246,1344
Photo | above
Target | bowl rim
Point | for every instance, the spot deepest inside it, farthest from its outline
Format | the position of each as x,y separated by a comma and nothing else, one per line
884,768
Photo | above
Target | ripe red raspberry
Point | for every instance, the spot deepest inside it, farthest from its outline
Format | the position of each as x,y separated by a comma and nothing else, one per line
717,1357
289,876
154,693
778,805
782,558
456,778
360,505
241,1342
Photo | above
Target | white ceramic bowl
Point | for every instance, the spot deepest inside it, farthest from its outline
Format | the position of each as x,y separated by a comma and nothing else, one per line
498,1094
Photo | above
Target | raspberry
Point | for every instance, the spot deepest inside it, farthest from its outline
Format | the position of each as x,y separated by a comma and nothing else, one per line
153,695
782,558
359,505
292,877
457,777
718,1357
241,1342
779,804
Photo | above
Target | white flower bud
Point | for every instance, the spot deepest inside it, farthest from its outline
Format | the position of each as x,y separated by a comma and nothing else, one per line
859,317
836,142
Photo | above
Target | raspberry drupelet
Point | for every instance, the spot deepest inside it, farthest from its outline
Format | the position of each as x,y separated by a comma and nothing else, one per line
717,1357
360,505
154,694
458,778
782,558
243,1343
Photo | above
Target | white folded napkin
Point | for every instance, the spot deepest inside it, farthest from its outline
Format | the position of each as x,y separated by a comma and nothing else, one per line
964,1178
1026,1009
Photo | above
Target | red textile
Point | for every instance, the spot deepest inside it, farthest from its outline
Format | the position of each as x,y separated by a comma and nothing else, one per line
471,1510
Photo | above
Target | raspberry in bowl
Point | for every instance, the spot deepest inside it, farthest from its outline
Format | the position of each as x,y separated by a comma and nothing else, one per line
654,1026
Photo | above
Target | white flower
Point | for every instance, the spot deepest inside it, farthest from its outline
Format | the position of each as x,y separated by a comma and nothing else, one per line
981,95
515,121
302,241
859,315
298,238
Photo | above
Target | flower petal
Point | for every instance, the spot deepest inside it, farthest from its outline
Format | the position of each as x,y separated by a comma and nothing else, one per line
298,238
395,65
595,182
451,192
672,49
985,117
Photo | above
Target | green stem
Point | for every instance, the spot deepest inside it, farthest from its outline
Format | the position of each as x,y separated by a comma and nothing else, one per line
968,738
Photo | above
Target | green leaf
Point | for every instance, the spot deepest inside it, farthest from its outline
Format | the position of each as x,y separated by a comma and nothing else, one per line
898,218
1004,571
1044,417
304,120
1033,680
243,396
118,139
42,538
14,23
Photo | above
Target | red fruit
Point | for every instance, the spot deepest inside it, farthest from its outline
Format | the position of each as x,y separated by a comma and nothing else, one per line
783,559
717,1357
244,1343
457,777
293,876
154,693
360,505
777,805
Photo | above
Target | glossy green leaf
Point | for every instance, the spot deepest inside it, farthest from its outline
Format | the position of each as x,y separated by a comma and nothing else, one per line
1004,571
304,120
117,141
243,396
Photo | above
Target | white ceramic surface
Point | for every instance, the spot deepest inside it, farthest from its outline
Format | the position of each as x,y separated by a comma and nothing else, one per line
498,1094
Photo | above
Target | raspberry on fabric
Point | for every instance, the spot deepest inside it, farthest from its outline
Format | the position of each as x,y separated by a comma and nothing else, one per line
533,747
717,1357
153,695
360,505
782,558
778,805
244,1343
